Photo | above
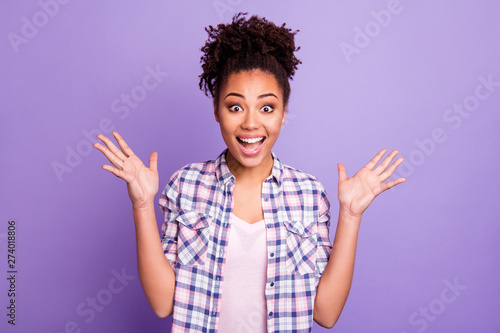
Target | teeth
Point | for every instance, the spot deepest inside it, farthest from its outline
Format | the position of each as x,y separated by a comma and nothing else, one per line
251,140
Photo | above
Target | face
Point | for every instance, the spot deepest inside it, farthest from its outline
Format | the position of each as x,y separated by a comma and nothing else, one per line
250,113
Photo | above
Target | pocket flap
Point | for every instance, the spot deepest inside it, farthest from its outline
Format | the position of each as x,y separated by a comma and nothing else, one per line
193,220
302,228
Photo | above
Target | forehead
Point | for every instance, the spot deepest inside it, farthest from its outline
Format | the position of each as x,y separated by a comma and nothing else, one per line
249,83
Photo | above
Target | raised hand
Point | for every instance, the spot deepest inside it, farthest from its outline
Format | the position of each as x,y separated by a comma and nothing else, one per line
142,182
356,193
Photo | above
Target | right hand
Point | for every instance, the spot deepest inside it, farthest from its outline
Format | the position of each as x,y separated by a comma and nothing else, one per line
142,182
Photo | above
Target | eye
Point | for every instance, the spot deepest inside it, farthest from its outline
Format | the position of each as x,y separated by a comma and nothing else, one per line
267,108
235,108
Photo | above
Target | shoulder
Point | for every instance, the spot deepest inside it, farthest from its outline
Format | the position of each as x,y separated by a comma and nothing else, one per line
294,178
193,187
298,176
194,172
305,188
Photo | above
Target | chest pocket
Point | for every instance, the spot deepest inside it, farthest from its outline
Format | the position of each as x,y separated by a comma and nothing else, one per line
301,241
192,238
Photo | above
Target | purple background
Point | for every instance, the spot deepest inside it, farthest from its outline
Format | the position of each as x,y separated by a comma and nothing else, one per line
76,231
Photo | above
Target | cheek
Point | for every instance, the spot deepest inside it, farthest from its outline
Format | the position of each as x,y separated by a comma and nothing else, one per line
277,125
274,130
226,125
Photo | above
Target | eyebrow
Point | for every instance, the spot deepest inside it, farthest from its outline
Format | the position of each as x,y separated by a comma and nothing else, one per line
261,96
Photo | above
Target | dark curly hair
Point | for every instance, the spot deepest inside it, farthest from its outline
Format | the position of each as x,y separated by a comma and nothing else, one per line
244,45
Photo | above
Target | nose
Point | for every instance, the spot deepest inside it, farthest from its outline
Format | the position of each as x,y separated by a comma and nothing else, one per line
251,120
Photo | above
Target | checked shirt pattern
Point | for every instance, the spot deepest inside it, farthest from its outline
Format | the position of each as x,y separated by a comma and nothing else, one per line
197,203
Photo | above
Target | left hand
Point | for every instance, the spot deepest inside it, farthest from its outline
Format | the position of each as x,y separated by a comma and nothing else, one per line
357,193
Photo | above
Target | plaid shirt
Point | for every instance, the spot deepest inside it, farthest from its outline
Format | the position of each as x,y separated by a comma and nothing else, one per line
197,203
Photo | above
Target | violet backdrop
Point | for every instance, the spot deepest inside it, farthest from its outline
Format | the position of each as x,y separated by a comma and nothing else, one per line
419,76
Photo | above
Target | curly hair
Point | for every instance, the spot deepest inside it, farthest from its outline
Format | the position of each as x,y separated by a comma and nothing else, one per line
244,45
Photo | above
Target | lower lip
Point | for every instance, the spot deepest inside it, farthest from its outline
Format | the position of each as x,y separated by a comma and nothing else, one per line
253,152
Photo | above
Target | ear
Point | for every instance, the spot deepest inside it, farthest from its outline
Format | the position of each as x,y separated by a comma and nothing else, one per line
284,115
216,113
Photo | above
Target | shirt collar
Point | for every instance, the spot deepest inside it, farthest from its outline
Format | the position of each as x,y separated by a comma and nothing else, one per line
224,175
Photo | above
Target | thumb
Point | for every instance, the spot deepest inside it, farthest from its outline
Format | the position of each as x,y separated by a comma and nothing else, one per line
342,172
153,161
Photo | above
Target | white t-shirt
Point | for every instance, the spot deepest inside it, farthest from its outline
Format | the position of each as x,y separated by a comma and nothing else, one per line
243,300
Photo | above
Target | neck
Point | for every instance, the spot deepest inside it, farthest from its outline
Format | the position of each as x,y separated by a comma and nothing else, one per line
255,174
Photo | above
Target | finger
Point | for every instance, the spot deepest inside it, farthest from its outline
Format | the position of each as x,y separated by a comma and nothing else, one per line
153,161
117,162
123,145
386,162
342,172
387,173
393,183
370,165
111,146
114,171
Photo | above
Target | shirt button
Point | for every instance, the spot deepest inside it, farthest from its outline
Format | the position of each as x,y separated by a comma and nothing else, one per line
272,284
217,280
214,312
270,314
225,225
221,252
269,225
266,199
272,254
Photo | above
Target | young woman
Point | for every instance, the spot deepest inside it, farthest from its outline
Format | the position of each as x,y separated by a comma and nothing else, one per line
245,245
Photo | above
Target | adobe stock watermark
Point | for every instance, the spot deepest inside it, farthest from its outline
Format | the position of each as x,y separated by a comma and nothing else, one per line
255,320
223,6
122,107
454,116
31,25
381,19
425,315
88,309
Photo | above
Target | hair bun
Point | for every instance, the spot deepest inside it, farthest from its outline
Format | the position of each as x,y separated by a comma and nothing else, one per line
245,38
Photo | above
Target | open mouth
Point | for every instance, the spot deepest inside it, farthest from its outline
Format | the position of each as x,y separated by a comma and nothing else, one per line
251,145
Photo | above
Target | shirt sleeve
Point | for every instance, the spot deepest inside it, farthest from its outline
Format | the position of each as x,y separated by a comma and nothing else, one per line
168,204
324,245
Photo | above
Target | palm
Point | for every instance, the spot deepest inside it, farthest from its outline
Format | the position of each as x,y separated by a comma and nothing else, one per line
356,193
142,182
